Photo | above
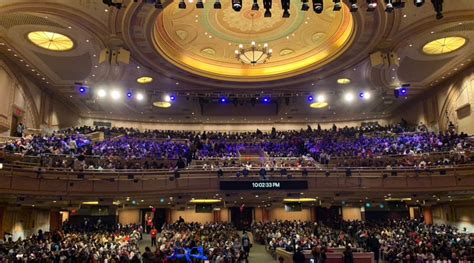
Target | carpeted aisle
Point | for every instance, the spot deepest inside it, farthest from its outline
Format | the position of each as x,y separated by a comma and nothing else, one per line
258,254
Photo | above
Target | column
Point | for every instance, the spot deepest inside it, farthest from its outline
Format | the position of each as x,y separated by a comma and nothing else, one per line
428,215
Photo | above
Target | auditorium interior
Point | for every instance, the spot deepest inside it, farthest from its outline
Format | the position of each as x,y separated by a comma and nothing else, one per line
227,131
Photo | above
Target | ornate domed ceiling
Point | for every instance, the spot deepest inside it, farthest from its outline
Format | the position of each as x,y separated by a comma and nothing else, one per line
203,41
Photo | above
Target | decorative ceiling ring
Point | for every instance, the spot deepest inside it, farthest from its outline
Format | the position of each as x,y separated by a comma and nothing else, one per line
75,16
363,40
426,25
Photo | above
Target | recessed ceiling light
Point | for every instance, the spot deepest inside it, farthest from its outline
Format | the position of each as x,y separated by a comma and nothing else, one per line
319,105
144,80
444,45
50,40
162,104
343,81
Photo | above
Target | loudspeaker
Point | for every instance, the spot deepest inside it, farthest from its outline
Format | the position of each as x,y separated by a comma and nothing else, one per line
393,59
378,59
104,56
122,56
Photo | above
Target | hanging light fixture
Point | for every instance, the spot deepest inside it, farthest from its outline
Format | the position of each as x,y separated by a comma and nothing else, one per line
254,54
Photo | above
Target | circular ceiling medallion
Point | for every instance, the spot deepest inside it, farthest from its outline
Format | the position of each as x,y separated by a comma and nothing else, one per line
50,40
203,41
144,80
444,45
162,104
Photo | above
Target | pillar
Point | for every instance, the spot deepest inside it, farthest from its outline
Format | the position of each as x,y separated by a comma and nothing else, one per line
216,216
55,220
428,215
2,209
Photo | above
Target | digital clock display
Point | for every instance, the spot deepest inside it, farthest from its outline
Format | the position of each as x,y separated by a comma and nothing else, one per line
263,185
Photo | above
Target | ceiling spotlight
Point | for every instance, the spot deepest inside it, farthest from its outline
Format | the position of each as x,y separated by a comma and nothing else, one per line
217,4
267,5
158,4
223,100
199,4
182,4
364,95
389,7
349,97
318,6
115,94
320,98
255,6
237,5
419,3
337,5
304,5
438,7
82,89
266,100
354,6
101,93
129,94
310,98
172,97
167,98
285,5
140,96
371,5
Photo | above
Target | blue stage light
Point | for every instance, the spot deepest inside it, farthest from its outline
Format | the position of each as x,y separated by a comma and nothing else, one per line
310,98
82,89
172,97
129,94
266,100
223,100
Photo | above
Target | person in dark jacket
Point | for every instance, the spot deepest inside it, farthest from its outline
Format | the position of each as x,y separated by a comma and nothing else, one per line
148,256
348,256
298,256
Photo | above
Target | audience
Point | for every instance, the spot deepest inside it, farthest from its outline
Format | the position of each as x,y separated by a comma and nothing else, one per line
126,148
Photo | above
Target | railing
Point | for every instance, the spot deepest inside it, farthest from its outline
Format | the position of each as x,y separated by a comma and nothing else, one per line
34,180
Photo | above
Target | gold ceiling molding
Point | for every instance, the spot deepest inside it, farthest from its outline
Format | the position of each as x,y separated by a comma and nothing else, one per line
184,37
444,45
50,40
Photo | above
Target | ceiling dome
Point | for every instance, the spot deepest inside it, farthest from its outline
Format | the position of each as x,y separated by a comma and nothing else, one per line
203,41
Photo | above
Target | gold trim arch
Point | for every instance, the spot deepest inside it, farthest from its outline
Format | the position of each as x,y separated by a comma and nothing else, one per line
203,41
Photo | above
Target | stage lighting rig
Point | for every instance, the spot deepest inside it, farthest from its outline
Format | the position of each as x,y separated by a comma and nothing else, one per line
217,4
255,6
304,5
337,5
419,3
318,6
389,7
371,5
438,7
285,5
113,3
237,5
158,4
267,5
354,6
199,4
182,4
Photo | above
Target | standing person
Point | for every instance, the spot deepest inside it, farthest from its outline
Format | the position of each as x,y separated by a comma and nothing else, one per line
246,244
20,129
149,224
298,256
153,234
348,256
319,255
373,245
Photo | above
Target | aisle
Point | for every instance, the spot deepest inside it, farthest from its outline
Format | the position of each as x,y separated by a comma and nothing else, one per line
258,254
145,242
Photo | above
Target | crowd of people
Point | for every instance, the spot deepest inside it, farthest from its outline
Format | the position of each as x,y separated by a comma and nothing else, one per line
366,146
392,240
120,245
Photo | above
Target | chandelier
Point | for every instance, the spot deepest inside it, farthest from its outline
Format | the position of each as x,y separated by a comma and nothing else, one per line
254,54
